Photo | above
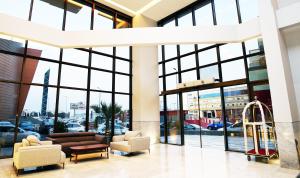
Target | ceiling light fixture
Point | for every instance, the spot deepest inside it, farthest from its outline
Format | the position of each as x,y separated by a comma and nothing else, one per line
148,6
75,3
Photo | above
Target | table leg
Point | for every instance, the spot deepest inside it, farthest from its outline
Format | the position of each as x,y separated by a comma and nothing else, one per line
107,153
76,158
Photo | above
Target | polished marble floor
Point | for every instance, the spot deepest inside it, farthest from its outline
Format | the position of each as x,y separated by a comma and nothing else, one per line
165,161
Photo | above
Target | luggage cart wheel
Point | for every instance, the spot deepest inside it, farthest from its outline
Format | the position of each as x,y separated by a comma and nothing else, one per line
248,158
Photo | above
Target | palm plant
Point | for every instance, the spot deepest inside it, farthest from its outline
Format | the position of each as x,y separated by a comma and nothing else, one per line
106,110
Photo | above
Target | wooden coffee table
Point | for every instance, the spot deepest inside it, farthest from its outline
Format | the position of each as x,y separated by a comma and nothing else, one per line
86,149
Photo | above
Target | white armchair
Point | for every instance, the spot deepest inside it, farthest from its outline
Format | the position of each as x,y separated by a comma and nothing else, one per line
34,156
132,141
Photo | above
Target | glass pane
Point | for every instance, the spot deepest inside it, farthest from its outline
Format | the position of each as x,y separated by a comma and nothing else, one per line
226,12
101,80
38,112
257,68
191,119
17,8
42,9
204,16
45,72
102,62
170,24
102,20
207,57
188,62
236,98
78,16
12,44
120,23
173,119
122,66
170,51
8,102
230,74
160,72
106,50
171,82
161,116
254,45
171,66
73,76
186,20
201,46
122,83
123,52
249,9
209,72
189,76
186,48
211,119
76,56
122,116
44,51
231,50
160,84
72,109
11,67
100,113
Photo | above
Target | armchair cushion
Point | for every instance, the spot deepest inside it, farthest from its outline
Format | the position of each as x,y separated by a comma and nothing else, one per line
25,142
130,134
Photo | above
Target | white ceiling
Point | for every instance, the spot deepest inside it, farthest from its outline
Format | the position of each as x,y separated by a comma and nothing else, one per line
157,11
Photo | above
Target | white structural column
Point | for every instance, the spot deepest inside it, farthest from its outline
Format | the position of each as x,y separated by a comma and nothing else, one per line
145,85
282,87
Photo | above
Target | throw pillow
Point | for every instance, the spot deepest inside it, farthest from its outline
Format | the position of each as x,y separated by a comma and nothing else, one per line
25,142
33,140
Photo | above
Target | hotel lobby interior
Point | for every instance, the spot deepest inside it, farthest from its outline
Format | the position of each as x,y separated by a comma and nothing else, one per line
149,88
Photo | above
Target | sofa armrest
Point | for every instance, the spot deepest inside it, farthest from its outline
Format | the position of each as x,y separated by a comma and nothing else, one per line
139,143
16,147
118,138
100,138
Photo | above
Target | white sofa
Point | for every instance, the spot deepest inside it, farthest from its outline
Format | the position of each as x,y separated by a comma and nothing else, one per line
35,156
132,141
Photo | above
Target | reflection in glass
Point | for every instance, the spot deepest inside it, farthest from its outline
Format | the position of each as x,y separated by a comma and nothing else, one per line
11,67
17,8
120,23
102,62
226,12
207,57
173,119
9,99
122,115
101,80
45,72
38,111
100,112
122,83
254,45
236,98
231,50
76,56
257,68
72,109
188,62
73,76
233,70
12,44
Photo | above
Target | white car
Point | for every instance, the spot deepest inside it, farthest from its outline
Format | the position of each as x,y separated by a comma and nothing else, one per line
75,127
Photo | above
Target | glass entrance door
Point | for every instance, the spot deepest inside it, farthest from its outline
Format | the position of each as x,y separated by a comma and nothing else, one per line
203,121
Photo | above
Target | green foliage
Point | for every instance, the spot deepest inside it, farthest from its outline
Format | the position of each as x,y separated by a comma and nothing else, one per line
61,127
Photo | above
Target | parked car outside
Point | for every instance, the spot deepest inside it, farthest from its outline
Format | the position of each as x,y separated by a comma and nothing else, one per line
75,127
119,129
6,123
7,134
27,126
218,125
191,127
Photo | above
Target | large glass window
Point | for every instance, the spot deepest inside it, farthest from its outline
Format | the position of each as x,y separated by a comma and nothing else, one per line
226,12
238,73
188,62
76,56
72,76
17,8
204,16
173,119
249,9
101,80
78,16
122,114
